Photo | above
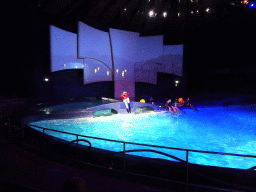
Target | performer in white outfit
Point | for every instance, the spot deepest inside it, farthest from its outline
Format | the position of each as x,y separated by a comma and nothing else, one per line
126,101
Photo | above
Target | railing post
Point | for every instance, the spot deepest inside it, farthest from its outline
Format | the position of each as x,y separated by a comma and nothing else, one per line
187,170
77,145
43,146
43,137
124,155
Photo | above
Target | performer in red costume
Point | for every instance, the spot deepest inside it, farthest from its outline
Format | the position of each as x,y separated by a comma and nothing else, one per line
126,101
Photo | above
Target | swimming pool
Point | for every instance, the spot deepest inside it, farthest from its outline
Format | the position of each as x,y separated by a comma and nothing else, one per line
218,129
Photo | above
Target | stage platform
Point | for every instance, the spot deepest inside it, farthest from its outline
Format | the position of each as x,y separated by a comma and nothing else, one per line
118,107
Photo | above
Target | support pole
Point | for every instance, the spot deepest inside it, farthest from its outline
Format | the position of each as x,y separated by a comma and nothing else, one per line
77,145
124,155
187,171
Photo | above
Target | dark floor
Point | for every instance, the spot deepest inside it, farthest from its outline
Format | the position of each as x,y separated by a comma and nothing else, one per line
23,168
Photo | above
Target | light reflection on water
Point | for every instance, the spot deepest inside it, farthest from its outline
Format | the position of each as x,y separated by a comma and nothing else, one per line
218,129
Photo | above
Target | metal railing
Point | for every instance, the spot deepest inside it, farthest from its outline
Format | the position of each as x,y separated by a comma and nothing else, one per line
124,151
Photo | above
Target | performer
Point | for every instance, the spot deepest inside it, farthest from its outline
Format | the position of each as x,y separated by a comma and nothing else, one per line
170,107
126,101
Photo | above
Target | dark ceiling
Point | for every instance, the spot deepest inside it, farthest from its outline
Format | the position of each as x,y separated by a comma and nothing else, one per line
184,17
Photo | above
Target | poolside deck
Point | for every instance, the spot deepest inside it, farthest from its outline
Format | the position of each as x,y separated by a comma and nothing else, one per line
120,108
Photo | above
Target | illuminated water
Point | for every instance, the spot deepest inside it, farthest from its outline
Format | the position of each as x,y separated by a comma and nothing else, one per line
218,129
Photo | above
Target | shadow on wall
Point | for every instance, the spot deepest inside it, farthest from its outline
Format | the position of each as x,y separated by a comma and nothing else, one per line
164,89
67,84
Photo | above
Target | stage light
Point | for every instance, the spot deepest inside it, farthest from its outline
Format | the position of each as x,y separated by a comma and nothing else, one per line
252,4
165,14
98,68
176,81
95,70
207,10
76,67
125,70
65,65
107,73
117,70
46,79
122,73
151,13
245,2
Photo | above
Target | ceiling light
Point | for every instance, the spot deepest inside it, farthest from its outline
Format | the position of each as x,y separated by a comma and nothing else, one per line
252,4
151,13
208,10
245,2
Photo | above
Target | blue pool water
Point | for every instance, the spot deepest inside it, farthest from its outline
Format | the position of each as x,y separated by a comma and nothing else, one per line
219,129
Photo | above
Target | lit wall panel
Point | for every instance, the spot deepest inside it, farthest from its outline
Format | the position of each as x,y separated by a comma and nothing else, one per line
94,48
149,59
63,50
124,45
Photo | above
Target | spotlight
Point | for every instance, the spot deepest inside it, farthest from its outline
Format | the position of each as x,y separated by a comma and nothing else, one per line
245,2
207,10
165,14
252,4
151,13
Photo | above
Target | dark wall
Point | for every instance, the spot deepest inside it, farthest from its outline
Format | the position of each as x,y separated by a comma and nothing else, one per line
164,89
241,83
69,84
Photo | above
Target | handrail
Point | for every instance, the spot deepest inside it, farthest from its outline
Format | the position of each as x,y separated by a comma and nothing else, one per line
76,140
147,145
149,150
124,151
